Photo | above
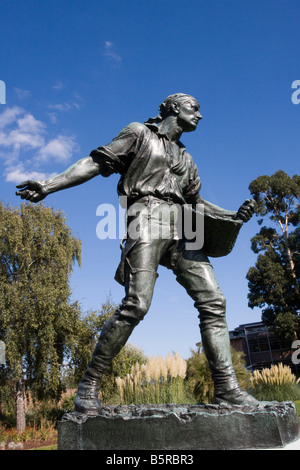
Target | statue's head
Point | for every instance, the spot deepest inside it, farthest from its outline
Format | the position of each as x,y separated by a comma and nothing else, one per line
173,101
184,106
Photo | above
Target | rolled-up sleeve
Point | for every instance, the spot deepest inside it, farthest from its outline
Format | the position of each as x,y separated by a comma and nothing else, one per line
116,156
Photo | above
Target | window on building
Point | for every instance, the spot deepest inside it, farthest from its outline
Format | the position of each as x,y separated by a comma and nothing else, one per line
253,345
263,344
275,343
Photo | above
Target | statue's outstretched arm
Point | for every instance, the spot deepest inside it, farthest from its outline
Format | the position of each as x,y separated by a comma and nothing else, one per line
79,173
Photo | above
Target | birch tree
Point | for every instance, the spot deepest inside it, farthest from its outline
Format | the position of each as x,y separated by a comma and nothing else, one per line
38,323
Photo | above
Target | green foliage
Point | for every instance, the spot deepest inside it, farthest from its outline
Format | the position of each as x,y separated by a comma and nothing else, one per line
38,324
199,375
68,403
44,414
285,392
274,280
127,357
275,195
297,404
286,324
37,253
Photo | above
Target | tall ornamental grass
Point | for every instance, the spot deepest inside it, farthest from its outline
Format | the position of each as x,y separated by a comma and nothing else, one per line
276,383
158,381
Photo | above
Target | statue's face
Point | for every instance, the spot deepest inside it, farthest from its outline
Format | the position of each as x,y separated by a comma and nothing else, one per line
188,114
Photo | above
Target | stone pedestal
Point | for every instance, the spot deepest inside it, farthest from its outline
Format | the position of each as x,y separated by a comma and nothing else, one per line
181,427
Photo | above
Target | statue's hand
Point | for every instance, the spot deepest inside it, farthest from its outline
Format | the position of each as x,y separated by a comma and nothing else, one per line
246,210
32,191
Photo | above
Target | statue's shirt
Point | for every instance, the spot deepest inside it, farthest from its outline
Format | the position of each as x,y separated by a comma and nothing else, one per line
150,165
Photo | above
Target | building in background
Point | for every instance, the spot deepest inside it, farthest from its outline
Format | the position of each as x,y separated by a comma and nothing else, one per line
261,347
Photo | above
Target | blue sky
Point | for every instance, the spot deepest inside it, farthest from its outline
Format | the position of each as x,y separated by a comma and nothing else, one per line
76,72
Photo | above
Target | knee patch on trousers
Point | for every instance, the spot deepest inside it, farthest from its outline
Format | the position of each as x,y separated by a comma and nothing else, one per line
212,308
139,290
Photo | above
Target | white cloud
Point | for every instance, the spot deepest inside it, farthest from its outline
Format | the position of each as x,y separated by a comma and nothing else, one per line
59,85
24,131
28,123
61,149
25,149
17,139
71,104
19,174
109,51
60,106
22,94
9,115
52,117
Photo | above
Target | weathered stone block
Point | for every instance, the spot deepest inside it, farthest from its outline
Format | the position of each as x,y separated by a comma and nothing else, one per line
181,427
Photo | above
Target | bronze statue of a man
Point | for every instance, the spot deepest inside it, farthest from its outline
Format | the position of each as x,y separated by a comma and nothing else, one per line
156,171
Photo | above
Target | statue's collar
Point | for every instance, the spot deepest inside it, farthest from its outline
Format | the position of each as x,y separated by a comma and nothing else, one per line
156,128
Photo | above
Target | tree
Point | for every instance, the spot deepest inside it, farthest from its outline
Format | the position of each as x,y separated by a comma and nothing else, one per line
37,321
274,280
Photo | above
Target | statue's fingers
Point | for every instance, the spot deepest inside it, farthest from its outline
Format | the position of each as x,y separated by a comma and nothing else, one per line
244,210
24,194
249,208
22,185
34,196
245,213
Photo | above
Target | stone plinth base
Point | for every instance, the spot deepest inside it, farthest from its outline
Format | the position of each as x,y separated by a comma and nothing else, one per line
181,427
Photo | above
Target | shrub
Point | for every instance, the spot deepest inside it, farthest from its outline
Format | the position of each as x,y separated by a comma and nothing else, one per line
276,383
158,381
68,403
44,414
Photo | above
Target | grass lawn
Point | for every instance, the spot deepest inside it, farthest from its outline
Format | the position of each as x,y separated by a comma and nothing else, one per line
297,404
54,447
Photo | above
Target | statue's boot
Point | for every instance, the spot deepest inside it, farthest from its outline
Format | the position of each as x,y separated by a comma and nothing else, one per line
114,336
139,288
216,343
